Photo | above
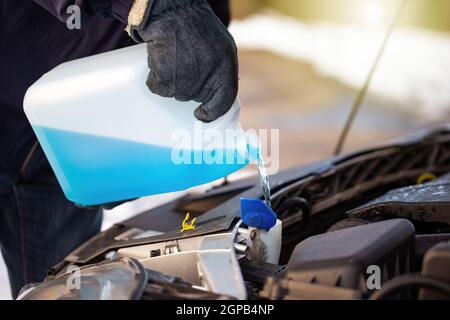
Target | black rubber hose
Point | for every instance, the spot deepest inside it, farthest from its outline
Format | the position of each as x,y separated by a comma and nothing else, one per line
300,202
415,280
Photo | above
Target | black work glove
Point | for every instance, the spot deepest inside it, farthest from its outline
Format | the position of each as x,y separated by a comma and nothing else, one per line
191,54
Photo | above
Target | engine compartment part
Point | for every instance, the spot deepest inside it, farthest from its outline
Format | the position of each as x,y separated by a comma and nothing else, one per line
161,286
325,195
118,279
343,258
211,262
347,223
436,264
425,242
409,282
429,202
257,273
292,289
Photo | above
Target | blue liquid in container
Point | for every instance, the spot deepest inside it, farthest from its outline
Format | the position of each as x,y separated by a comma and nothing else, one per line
94,169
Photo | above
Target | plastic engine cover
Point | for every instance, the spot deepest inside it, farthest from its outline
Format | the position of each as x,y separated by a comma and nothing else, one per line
341,258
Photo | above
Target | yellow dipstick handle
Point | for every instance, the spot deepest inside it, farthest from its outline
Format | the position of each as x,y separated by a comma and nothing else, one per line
185,226
425,177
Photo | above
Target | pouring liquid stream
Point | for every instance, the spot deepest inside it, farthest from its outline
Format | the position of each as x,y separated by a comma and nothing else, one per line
264,178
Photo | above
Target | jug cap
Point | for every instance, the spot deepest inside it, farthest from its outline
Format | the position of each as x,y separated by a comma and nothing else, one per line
256,213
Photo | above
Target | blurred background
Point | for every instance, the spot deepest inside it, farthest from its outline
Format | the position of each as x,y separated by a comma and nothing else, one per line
302,62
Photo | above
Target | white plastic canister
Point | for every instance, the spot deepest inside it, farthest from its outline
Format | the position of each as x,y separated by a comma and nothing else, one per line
108,138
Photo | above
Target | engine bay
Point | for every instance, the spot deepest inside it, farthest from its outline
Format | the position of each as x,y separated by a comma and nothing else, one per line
374,224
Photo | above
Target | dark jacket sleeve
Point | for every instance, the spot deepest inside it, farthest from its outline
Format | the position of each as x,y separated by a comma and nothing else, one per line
117,9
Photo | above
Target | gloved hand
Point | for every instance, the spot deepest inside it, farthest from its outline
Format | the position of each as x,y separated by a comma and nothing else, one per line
191,54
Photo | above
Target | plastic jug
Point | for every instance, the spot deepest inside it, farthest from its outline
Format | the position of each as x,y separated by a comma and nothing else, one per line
108,138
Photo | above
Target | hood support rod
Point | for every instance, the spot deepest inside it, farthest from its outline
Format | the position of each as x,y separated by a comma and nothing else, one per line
363,91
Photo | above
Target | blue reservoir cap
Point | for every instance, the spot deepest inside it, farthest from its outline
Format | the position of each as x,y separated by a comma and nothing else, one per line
256,213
